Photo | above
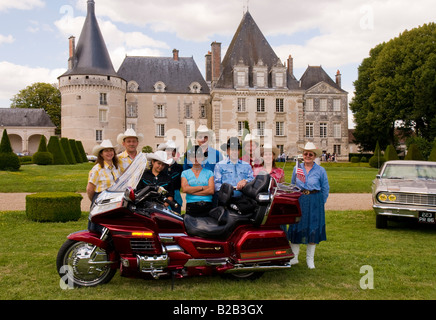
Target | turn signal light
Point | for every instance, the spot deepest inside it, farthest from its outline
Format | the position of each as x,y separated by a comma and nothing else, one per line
142,234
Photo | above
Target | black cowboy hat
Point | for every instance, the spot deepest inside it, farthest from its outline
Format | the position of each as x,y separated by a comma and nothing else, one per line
232,143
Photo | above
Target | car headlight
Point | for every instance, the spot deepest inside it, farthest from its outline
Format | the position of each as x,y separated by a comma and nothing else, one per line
386,197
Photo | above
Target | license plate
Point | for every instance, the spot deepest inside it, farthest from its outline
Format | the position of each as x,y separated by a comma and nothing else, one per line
426,217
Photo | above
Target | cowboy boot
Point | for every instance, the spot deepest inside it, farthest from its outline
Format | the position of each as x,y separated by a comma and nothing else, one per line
296,250
310,256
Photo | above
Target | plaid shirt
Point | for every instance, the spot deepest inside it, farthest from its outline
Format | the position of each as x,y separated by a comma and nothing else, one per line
124,160
103,178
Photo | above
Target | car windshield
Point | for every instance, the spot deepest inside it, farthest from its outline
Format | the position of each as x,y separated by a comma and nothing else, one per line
409,171
132,175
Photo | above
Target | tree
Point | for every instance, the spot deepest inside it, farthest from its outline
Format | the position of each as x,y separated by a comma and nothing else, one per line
41,96
42,157
396,88
55,148
413,153
391,153
8,159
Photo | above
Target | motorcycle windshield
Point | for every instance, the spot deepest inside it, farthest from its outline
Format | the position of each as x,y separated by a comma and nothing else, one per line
131,177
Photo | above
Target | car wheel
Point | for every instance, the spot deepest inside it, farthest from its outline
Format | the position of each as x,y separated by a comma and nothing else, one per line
381,222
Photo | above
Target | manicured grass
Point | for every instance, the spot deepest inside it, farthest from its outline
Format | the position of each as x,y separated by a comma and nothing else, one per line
343,178
401,257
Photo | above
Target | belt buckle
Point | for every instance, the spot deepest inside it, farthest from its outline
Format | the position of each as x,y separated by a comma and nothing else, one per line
306,192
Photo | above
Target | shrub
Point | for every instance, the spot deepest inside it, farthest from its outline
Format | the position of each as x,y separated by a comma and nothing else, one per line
413,153
42,157
363,160
81,150
55,148
391,153
67,149
376,162
8,159
355,160
53,207
432,156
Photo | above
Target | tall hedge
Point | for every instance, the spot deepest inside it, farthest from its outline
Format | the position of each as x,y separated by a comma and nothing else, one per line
81,150
55,148
42,157
8,159
75,151
67,149
377,160
391,153
413,153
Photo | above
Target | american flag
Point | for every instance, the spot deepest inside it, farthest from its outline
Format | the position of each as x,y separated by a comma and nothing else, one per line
300,173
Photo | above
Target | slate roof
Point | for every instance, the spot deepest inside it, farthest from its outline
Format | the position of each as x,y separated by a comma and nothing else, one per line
177,75
314,75
92,56
19,117
249,45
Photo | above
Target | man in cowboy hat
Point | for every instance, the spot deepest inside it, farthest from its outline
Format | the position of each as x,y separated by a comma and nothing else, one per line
231,170
212,156
250,149
174,171
130,141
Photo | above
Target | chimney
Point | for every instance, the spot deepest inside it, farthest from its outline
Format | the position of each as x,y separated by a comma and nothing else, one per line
338,79
291,65
176,55
72,56
216,61
208,58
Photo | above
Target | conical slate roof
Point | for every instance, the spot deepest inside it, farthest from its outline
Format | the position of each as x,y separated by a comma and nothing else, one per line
250,46
92,56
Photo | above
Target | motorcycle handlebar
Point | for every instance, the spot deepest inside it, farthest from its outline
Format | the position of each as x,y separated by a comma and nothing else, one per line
173,204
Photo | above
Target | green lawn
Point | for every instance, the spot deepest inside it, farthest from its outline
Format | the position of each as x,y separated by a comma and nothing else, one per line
343,178
402,259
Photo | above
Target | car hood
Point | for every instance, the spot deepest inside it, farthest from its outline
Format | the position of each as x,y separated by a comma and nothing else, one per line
412,186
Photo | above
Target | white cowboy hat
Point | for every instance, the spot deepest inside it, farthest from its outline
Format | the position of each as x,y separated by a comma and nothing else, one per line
268,147
129,133
310,146
160,156
250,138
202,129
170,144
106,144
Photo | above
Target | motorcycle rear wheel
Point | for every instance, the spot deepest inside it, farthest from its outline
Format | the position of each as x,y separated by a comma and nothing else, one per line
76,267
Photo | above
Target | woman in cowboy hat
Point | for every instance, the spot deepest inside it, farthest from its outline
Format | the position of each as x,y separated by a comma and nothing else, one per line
105,172
269,154
130,141
312,180
250,151
155,175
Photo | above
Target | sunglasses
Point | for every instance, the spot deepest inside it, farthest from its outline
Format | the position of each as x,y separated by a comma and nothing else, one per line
308,154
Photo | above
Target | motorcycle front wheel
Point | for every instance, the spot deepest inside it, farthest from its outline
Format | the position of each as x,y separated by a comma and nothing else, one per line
80,264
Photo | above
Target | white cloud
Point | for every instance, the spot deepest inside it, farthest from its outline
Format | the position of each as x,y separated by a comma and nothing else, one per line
21,4
6,39
15,78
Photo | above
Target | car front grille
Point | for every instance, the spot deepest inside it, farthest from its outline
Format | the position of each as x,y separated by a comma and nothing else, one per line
416,199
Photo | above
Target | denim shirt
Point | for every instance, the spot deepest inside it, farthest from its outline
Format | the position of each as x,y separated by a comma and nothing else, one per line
316,179
231,173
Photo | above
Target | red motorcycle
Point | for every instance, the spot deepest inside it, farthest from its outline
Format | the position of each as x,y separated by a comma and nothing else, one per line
141,236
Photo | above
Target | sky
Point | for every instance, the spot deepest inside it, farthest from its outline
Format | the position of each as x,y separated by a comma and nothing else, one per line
334,34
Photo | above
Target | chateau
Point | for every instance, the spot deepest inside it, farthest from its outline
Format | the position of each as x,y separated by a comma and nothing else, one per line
168,97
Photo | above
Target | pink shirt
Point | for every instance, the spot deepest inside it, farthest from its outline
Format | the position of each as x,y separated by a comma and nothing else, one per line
276,173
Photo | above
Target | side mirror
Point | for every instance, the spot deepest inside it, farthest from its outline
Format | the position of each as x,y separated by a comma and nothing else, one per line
129,194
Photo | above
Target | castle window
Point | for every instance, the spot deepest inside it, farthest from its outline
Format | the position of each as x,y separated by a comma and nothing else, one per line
261,128
98,135
160,111
309,105
159,87
280,105
309,130
241,79
337,105
102,115
260,105
280,128
132,110
241,127
160,130
241,105
195,87
323,130
203,112
337,130
279,80
103,99
260,79
323,105
188,111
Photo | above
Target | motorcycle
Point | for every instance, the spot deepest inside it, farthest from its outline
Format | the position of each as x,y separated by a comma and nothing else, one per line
141,236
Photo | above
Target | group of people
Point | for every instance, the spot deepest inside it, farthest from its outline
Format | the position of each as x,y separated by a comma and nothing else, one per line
204,171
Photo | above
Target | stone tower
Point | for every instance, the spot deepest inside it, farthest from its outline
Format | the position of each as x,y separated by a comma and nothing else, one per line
93,95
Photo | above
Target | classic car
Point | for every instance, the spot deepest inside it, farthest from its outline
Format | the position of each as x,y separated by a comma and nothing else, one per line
405,189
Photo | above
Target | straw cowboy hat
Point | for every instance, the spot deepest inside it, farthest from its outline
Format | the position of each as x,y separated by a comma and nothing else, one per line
202,129
130,133
170,144
160,156
106,144
310,146
268,147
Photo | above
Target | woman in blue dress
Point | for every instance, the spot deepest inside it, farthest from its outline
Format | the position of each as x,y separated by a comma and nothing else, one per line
312,180
198,184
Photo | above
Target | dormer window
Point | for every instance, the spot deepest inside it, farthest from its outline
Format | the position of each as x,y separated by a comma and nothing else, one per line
159,87
132,86
195,87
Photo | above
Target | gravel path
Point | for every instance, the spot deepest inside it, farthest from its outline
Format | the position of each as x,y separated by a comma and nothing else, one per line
336,201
